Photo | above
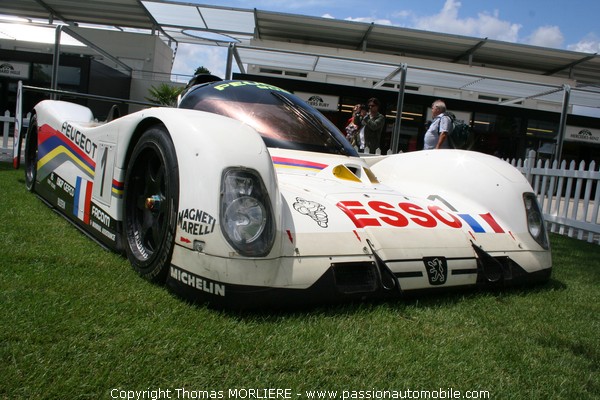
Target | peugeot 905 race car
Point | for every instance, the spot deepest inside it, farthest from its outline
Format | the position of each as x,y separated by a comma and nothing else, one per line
245,196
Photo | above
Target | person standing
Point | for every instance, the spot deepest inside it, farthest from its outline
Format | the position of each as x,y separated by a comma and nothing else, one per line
354,131
436,136
373,124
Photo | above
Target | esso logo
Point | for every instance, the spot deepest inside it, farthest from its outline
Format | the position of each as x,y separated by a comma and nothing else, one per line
377,213
380,213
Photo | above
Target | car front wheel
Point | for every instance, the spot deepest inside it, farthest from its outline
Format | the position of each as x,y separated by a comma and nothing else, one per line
151,197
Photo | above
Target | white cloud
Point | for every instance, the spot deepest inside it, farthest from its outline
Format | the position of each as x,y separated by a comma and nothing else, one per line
402,14
546,36
369,20
589,44
484,25
491,26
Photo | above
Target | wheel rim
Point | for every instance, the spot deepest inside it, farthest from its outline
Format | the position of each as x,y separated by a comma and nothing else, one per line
148,203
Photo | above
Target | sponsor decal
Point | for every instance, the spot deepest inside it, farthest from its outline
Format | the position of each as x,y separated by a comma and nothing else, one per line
202,284
320,101
117,188
55,149
437,270
100,217
60,182
282,162
478,227
580,134
196,222
82,199
380,213
79,138
313,209
14,70
51,180
259,85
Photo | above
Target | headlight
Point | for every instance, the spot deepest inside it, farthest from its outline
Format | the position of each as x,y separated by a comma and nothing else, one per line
535,220
246,217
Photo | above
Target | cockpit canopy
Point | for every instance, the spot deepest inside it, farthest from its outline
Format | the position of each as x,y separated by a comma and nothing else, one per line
282,119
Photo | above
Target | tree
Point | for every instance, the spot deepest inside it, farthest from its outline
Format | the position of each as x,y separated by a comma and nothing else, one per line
201,70
164,94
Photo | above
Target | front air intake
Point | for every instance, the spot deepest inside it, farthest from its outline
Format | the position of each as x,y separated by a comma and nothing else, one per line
355,277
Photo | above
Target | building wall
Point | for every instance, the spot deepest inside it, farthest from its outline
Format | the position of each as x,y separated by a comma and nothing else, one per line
140,51
149,57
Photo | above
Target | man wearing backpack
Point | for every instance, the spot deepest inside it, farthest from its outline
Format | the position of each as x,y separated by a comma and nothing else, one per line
436,136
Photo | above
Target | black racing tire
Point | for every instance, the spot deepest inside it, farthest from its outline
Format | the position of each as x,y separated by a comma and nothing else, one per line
31,154
150,204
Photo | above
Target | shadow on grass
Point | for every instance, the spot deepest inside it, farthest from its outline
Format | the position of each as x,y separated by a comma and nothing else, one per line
447,297
6,166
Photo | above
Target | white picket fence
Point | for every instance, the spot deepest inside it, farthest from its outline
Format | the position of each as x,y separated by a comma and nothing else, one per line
569,195
7,121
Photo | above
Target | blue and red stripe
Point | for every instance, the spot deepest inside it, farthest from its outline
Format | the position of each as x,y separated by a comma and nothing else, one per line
295,163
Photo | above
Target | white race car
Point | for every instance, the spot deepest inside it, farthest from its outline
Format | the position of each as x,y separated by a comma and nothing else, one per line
244,196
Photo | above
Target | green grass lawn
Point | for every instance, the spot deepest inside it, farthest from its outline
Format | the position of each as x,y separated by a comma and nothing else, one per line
76,322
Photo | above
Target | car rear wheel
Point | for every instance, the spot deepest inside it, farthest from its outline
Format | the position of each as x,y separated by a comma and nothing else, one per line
151,197
31,154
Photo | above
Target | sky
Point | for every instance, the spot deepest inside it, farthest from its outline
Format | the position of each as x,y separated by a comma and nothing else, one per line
569,25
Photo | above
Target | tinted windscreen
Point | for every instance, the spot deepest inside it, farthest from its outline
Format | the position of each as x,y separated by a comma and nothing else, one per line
282,119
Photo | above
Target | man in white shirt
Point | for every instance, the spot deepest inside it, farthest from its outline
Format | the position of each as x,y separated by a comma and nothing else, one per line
436,136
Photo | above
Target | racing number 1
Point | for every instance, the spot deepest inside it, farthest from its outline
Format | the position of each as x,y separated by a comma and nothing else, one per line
103,166
103,175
